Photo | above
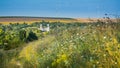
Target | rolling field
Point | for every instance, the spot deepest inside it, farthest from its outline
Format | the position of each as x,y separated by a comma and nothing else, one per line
59,33
29,20
66,45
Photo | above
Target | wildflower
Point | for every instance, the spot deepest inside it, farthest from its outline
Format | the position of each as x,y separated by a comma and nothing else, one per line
97,62
115,62
104,55
104,37
64,57
70,41
18,63
71,36
91,59
58,60
94,66
77,33
115,41
82,56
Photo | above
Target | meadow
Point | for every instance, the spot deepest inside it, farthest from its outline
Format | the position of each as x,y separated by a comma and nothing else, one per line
66,45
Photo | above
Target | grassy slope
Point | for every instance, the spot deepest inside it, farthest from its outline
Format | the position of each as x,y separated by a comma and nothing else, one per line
73,48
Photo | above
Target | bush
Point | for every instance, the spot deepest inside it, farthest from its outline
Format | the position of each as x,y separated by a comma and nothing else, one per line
31,37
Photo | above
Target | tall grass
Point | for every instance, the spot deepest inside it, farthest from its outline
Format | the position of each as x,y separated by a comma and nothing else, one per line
91,46
74,48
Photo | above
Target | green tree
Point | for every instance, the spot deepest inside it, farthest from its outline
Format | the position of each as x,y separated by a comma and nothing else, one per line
31,36
22,35
1,38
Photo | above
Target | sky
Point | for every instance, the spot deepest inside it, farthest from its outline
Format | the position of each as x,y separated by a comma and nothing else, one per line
59,8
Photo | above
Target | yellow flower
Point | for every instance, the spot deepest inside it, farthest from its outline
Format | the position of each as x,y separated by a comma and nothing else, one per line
115,41
64,57
58,60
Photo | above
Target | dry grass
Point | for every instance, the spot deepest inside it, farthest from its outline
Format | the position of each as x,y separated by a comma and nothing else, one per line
31,20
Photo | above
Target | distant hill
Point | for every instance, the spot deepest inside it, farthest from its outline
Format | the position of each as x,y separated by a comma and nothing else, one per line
30,19
36,17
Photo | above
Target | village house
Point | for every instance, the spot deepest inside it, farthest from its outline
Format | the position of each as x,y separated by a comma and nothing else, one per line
44,29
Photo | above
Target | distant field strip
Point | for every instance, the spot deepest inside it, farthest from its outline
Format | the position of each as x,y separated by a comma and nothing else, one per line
7,20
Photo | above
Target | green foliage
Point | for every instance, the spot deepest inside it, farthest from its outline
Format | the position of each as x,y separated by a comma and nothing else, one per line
22,34
1,32
74,47
31,36
70,45
14,35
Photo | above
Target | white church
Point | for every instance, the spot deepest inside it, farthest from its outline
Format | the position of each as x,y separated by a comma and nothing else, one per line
44,29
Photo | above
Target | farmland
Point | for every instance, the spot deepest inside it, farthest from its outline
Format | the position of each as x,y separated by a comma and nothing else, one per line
27,19
73,44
